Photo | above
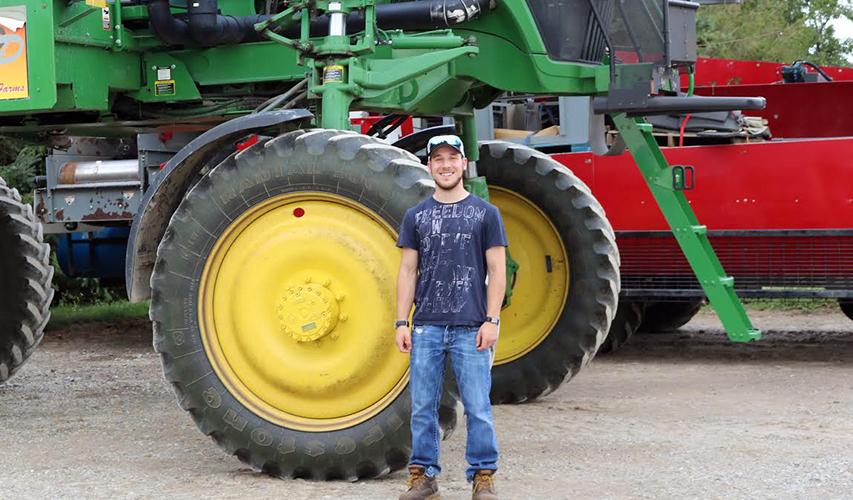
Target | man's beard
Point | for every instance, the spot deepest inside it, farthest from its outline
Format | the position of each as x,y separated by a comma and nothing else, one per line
448,188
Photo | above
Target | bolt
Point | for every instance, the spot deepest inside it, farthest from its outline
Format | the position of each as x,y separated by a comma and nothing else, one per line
308,279
327,282
340,297
343,317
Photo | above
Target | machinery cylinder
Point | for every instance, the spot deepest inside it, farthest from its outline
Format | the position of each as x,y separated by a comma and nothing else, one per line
86,172
337,26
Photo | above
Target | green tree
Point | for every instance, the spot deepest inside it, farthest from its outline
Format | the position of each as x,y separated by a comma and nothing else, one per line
774,30
19,163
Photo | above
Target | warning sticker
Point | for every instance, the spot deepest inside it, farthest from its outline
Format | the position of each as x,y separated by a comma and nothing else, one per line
14,83
333,73
164,87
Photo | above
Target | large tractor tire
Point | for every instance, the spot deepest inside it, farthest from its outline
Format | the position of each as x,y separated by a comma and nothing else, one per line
846,306
666,317
273,302
566,288
628,317
25,275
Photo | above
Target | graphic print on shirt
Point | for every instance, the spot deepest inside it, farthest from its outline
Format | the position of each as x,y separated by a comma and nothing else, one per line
446,231
451,240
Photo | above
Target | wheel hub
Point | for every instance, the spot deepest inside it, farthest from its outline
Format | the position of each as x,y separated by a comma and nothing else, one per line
308,312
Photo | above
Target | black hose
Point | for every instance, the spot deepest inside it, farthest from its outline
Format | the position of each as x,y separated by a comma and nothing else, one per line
165,26
814,67
414,16
205,26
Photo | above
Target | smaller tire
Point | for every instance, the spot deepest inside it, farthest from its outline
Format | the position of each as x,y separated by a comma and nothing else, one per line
665,317
25,276
628,317
846,306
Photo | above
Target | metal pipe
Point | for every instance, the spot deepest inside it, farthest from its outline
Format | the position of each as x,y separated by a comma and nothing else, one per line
666,105
101,171
337,26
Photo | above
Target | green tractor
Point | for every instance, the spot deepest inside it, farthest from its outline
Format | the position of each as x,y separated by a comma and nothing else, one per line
262,227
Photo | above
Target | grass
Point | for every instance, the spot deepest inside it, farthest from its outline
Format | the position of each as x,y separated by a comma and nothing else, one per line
65,315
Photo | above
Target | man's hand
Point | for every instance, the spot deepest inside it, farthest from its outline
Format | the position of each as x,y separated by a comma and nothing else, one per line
487,336
404,339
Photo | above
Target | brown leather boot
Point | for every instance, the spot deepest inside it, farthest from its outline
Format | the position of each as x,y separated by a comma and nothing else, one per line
420,486
484,486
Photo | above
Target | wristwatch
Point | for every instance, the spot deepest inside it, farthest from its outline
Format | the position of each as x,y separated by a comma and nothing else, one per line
401,322
493,320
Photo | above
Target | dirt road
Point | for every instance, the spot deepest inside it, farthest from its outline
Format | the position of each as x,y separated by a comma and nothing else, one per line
685,415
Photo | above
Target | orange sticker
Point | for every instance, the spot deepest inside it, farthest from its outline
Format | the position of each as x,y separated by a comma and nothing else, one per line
14,83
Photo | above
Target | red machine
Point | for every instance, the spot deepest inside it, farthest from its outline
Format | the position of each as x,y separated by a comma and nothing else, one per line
818,108
779,213
779,216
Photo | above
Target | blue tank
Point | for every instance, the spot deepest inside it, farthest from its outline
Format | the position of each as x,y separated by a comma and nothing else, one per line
97,254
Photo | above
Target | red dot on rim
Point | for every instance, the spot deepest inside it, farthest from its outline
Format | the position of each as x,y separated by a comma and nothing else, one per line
298,212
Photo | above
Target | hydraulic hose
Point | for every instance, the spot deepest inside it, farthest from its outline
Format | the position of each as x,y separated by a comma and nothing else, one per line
429,14
205,26
166,28
208,27
414,16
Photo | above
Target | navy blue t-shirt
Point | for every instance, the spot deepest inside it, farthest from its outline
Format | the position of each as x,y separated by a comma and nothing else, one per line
451,240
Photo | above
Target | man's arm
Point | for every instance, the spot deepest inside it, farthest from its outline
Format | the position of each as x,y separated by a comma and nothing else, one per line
495,290
407,279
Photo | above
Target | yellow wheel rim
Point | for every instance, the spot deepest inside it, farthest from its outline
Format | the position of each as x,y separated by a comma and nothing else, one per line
294,306
538,295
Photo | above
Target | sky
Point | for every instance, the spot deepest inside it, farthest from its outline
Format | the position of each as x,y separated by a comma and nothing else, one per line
844,29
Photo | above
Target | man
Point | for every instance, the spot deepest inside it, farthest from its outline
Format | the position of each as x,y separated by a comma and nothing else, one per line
449,242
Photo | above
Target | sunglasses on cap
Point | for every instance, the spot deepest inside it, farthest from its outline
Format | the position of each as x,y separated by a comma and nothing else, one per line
445,140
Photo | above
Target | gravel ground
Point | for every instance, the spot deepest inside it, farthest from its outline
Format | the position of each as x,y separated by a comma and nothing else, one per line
684,415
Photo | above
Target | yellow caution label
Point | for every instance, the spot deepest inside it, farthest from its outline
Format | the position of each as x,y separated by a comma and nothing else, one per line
101,4
164,87
333,73
14,83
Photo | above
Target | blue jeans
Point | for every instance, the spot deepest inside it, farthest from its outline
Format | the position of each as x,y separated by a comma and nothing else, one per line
472,368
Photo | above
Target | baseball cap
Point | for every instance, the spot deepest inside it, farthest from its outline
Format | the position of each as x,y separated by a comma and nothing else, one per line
449,140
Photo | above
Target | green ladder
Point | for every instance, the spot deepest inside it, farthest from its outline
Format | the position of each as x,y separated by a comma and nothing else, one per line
692,237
